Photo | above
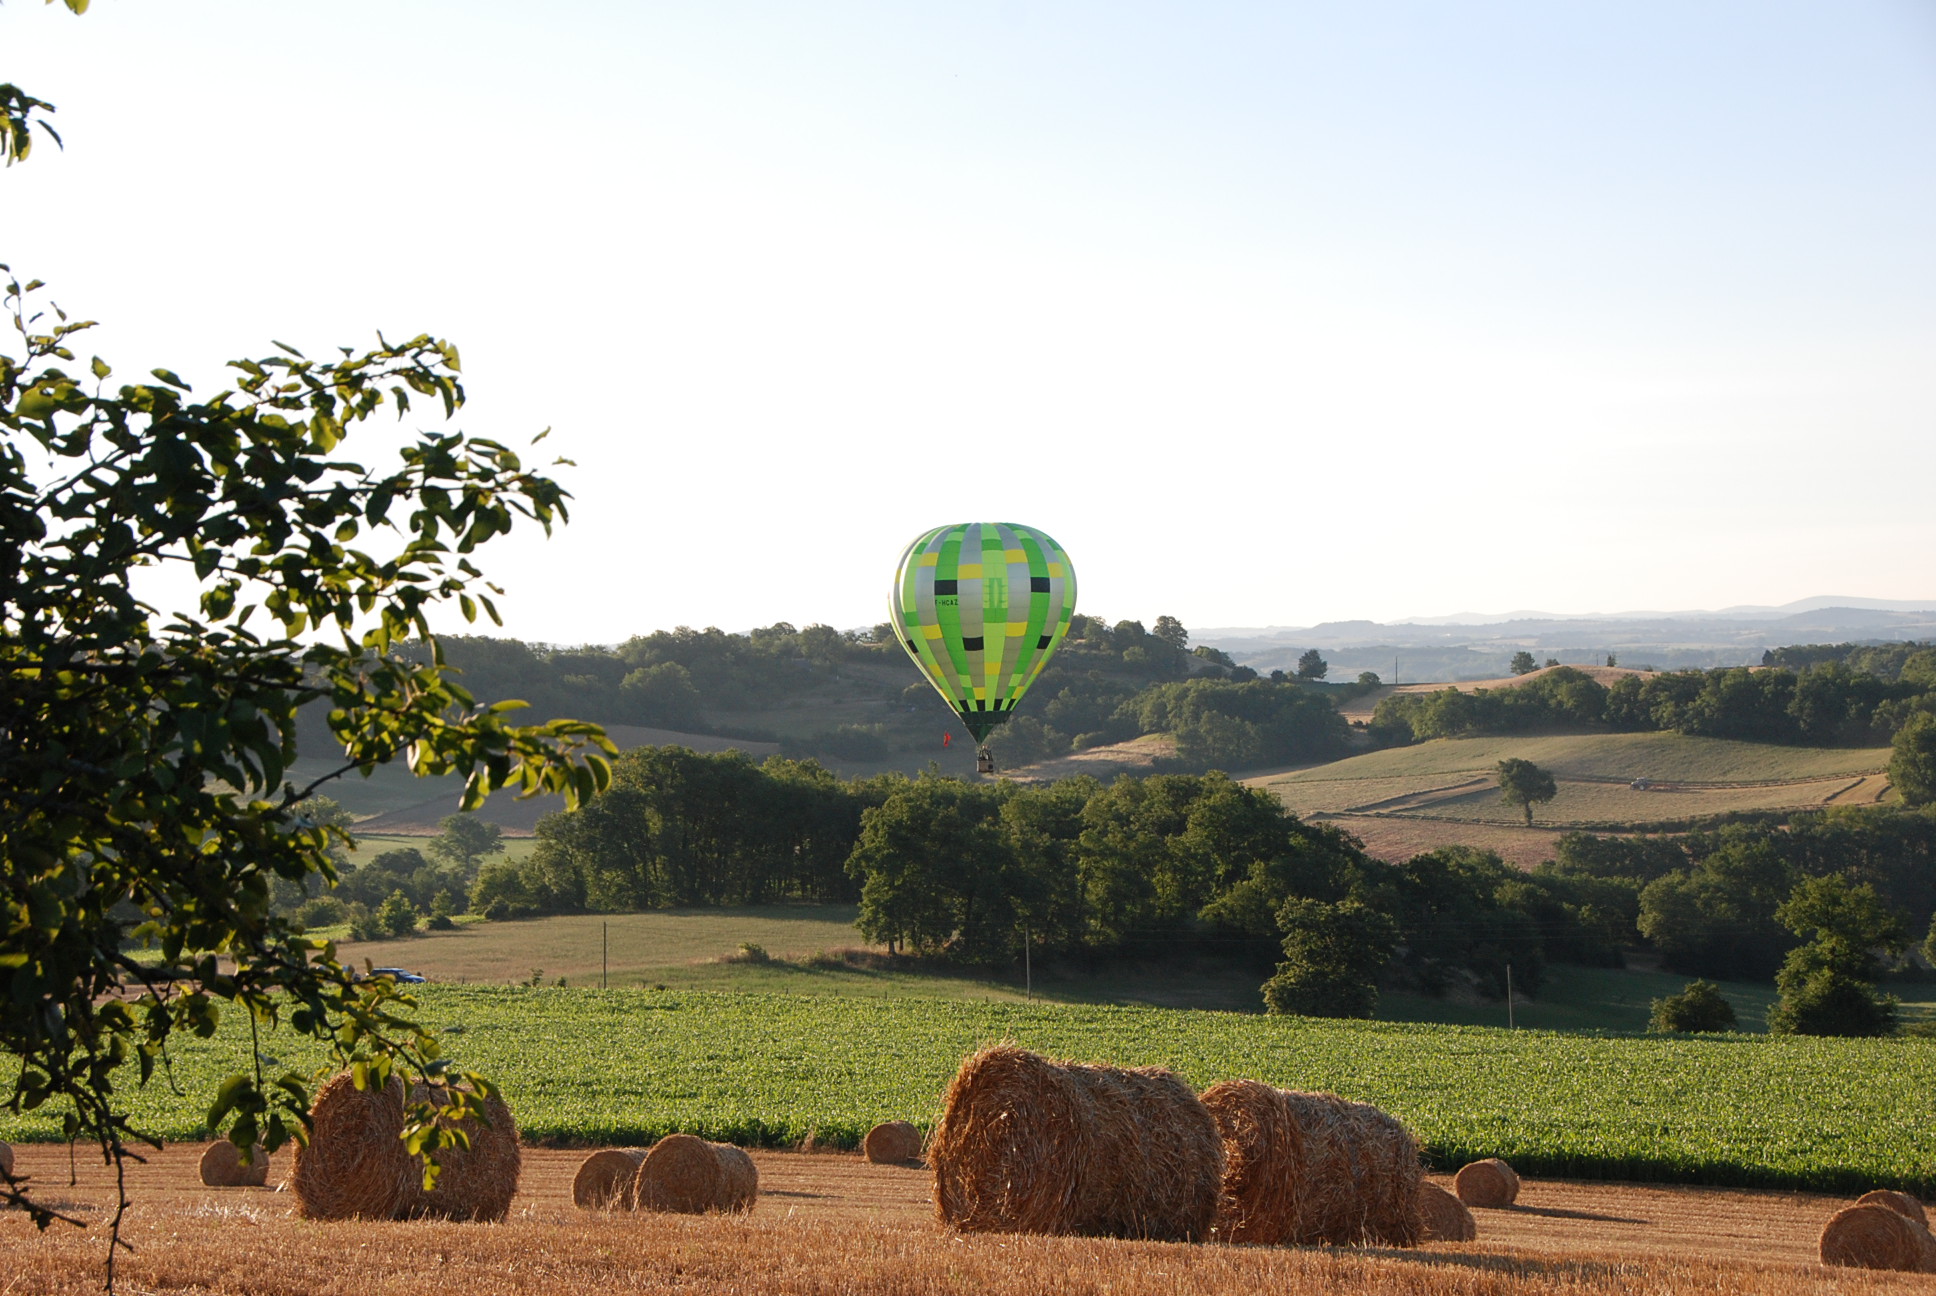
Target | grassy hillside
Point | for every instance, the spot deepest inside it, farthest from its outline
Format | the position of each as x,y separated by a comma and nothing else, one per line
623,1066
1451,779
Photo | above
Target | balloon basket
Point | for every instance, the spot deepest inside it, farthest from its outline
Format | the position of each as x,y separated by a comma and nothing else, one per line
984,763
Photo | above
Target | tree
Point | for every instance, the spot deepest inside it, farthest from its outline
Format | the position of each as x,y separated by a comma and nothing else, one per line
1310,666
1366,679
1171,631
145,771
1333,954
1523,663
1698,1007
466,840
1827,985
397,917
1912,765
1525,784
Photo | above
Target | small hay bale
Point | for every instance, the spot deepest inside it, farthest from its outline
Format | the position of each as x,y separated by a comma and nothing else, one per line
221,1166
1027,1145
474,1183
1876,1237
1263,1158
741,1178
1901,1203
680,1173
1443,1217
892,1143
604,1179
354,1165
1490,1182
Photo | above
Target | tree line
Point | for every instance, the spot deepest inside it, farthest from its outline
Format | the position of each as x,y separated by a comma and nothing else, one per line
1827,705
1197,864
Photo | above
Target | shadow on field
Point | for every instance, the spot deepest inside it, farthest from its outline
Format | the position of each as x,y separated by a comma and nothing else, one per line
1552,1213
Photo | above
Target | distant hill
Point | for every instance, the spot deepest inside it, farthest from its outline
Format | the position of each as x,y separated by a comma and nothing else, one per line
1477,646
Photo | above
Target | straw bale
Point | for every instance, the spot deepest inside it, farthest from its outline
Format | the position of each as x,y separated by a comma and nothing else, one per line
1900,1203
604,1179
1028,1145
892,1143
1443,1217
680,1173
1361,1173
221,1166
474,1183
1263,1155
1490,1182
741,1179
1874,1237
354,1165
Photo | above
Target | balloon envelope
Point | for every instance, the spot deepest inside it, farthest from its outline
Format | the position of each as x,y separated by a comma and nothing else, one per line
980,606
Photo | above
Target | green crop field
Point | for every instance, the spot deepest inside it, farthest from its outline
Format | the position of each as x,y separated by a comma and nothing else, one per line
624,1066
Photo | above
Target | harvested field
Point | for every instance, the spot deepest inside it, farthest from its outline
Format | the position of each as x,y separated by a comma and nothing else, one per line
1397,838
1563,1238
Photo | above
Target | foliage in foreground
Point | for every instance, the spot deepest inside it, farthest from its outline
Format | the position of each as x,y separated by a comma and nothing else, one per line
617,1067
145,797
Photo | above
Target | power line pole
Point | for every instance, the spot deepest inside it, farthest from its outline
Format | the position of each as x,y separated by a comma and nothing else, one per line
604,955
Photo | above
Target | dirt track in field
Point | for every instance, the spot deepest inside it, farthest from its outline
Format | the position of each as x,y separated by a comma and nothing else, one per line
1623,1237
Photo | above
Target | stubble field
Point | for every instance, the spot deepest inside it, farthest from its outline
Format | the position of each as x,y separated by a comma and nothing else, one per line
833,1224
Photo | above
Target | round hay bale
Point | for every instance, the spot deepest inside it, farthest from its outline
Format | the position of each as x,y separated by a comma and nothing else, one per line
680,1173
604,1179
6,1158
892,1143
1361,1173
1875,1237
473,1183
1027,1145
740,1178
1487,1183
1263,1160
1443,1217
221,1166
354,1165
1901,1203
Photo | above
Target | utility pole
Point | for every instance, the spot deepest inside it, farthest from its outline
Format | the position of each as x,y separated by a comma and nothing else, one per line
1028,972
1509,1007
604,955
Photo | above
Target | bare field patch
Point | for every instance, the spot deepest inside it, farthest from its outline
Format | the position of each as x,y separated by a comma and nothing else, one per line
1397,838
828,1224
670,946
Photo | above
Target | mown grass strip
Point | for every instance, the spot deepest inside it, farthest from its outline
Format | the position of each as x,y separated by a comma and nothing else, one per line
625,1066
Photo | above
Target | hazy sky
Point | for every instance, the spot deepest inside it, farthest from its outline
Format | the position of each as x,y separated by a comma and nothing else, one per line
1270,313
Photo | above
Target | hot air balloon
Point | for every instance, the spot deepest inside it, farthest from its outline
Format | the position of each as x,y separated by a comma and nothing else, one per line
981,606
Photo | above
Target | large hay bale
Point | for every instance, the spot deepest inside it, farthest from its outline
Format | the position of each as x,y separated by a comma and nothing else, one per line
354,1165
1312,1168
892,1143
1490,1182
604,1179
473,1183
1901,1203
1873,1236
741,1186
221,1166
1263,1162
1443,1217
6,1158
1027,1145
680,1173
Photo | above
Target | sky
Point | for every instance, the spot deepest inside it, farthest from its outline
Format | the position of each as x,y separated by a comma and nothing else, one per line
1270,313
